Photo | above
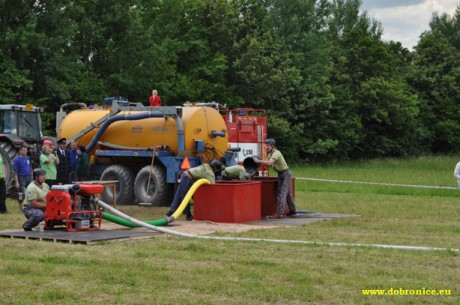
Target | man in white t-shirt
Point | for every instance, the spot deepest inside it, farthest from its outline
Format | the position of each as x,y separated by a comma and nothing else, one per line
457,173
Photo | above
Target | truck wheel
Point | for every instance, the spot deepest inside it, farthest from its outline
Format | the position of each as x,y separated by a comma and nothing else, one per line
8,153
158,191
124,187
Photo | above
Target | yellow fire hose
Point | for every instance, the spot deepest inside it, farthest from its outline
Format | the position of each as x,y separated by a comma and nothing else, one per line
163,221
187,198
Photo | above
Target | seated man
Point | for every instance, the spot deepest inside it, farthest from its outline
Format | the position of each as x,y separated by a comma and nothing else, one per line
206,171
35,201
238,172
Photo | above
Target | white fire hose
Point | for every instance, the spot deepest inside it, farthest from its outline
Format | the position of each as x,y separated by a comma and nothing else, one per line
179,234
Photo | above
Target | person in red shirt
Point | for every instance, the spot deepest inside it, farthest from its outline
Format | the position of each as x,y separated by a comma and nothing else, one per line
155,99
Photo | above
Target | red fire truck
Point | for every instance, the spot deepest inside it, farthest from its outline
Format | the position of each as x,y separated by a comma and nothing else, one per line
247,132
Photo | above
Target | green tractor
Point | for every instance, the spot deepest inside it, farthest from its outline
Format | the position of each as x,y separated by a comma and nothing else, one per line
19,125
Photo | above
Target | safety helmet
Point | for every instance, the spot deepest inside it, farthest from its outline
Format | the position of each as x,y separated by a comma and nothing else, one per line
38,172
47,143
270,142
216,165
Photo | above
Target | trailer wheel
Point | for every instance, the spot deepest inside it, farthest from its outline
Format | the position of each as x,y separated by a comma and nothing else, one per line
156,192
8,153
124,187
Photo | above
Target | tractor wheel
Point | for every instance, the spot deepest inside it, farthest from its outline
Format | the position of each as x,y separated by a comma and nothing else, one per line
157,191
9,153
124,187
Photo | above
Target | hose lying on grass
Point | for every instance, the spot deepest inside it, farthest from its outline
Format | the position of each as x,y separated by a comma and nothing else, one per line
159,222
201,182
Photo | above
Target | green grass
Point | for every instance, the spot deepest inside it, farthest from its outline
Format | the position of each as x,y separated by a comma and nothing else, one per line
171,270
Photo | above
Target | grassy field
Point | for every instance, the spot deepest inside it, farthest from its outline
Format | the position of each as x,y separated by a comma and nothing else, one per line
172,270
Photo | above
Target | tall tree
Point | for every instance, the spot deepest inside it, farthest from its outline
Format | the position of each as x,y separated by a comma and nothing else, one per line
371,94
19,42
436,79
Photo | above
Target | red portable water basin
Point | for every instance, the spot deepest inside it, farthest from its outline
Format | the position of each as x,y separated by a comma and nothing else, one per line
228,201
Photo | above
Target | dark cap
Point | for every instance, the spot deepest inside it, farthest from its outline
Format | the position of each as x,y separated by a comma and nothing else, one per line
270,142
38,172
62,141
216,165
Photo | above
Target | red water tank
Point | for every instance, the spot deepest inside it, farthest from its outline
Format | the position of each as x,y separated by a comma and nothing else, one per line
228,201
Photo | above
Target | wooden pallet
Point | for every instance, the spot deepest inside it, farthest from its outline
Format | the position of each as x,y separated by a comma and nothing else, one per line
80,237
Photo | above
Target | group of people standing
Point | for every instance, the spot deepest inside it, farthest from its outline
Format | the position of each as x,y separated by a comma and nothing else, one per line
61,166
57,166
64,165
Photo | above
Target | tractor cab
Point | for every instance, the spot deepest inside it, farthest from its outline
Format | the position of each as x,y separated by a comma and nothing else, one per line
19,125
21,120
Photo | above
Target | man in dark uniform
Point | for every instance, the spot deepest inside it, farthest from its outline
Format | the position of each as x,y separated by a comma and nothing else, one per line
64,166
2,187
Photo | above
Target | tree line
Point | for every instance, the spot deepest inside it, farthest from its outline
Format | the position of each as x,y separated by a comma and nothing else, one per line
333,89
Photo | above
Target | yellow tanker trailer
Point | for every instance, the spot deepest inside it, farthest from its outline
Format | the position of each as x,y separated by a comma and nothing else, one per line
144,148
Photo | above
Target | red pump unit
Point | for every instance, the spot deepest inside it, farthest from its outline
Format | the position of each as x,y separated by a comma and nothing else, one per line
73,205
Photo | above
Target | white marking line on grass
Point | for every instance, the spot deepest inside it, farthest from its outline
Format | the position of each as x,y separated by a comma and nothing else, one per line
378,183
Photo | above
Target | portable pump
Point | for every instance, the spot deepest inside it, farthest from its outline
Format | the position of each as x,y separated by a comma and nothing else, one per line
73,205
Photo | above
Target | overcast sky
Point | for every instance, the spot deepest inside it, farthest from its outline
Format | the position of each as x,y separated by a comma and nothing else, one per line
405,20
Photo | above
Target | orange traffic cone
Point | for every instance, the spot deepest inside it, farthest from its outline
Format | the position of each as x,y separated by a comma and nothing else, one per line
185,164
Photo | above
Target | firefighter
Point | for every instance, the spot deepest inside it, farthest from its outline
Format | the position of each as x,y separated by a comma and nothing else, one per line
205,171
276,160
238,172
35,202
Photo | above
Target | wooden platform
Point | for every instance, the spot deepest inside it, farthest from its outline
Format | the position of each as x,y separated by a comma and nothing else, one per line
113,231
205,227
80,237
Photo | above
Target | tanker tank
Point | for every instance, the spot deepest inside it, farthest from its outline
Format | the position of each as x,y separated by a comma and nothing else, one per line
124,136
198,123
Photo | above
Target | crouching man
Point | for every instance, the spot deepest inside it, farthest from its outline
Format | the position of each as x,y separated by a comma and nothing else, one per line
204,171
35,201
